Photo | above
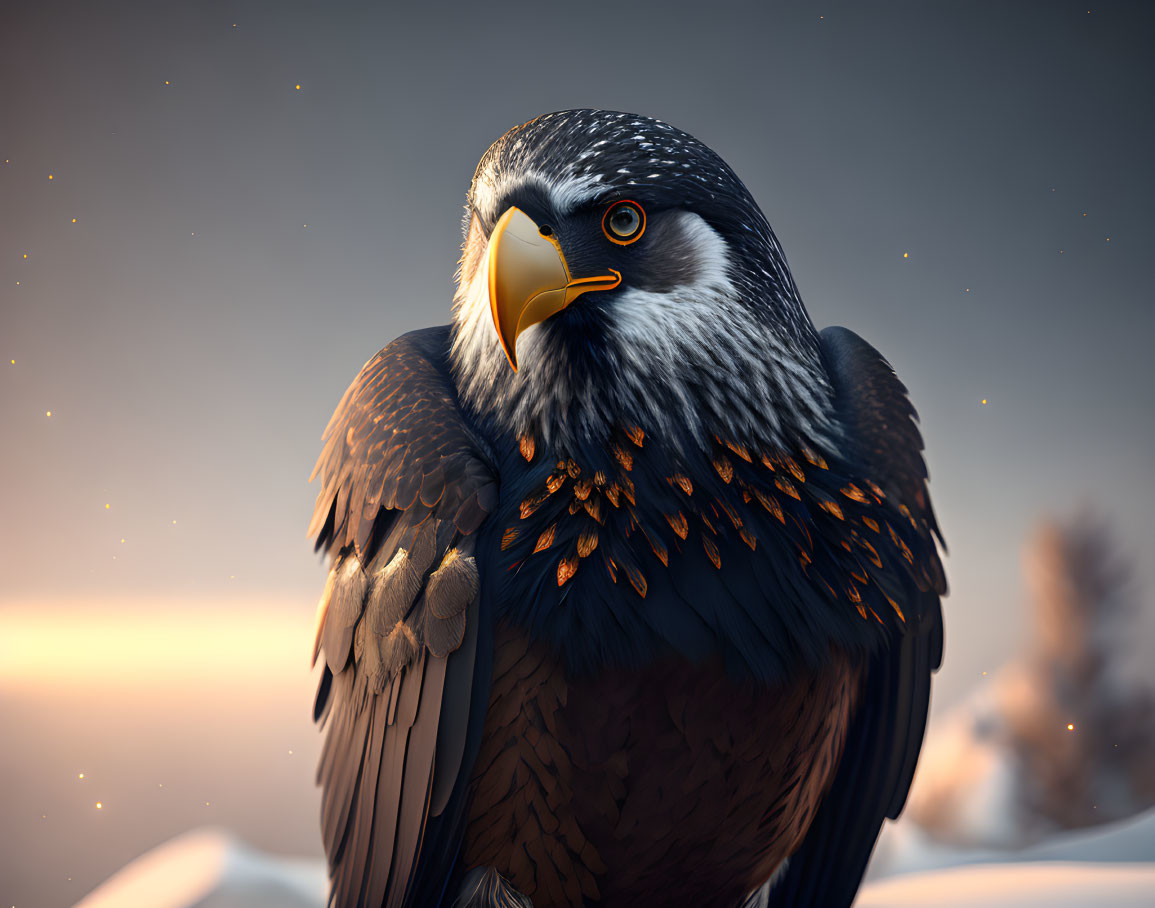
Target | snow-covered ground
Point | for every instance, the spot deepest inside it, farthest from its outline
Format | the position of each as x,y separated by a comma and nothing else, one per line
903,849
209,868
1047,885
1109,867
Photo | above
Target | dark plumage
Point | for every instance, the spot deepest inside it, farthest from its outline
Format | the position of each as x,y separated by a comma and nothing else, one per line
638,622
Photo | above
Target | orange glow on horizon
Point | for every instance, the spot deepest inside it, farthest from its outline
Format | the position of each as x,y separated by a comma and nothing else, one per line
158,643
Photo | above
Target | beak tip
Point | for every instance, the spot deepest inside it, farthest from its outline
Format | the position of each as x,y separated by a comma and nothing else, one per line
510,356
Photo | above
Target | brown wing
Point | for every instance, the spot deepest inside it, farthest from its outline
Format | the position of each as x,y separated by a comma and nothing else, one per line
404,487
886,734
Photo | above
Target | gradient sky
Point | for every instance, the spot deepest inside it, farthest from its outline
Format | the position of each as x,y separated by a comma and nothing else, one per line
227,208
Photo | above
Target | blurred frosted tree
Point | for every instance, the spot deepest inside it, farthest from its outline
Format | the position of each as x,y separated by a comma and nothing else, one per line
1063,736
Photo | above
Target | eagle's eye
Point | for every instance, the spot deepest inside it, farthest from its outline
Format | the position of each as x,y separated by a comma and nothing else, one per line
624,222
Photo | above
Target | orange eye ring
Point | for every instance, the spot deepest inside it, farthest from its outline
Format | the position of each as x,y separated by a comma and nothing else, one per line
634,232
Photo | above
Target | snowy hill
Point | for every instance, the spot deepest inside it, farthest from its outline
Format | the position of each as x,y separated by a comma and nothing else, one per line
1018,886
209,868
1110,868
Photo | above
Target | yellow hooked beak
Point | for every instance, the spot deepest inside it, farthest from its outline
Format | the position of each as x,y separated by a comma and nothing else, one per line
529,279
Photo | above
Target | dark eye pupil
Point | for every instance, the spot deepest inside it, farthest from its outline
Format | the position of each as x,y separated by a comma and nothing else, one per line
624,221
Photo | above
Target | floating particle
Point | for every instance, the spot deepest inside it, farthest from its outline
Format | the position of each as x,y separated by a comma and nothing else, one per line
906,255
74,220
298,88
49,413
50,176
107,506
99,805
984,404
80,775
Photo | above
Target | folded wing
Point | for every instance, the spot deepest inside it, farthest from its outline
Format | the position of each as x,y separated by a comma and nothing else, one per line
886,735
404,488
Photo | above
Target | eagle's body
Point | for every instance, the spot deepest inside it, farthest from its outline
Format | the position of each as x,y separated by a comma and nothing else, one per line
647,617
624,779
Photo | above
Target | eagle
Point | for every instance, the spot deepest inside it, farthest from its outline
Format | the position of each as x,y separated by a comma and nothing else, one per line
635,581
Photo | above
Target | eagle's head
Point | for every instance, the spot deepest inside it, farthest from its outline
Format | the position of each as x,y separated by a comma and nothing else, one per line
616,271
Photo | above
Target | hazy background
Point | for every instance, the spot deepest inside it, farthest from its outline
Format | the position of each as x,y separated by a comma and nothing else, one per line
212,214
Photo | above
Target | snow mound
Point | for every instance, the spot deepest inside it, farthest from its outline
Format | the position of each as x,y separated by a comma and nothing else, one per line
1110,868
904,848
209,868
1046,885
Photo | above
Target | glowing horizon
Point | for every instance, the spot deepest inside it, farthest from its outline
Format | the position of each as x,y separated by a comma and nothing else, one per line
158,642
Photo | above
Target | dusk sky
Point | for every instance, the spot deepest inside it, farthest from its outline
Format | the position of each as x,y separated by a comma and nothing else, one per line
211,214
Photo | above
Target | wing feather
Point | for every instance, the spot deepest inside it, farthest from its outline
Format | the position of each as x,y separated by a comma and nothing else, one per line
404,487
